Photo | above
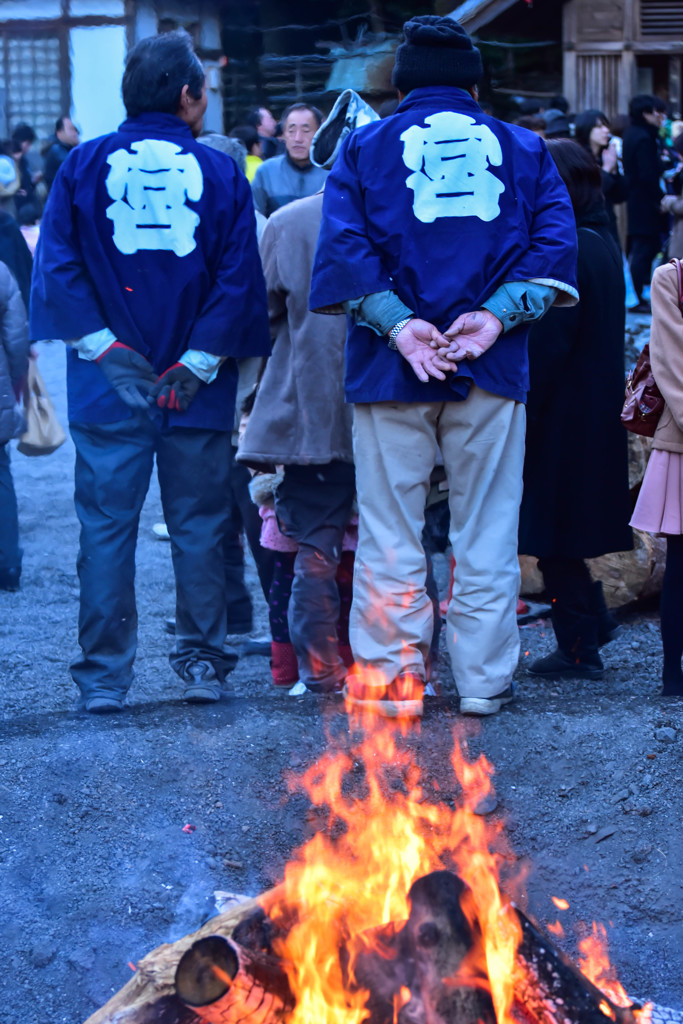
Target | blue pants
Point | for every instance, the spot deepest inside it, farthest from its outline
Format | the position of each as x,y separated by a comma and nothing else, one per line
243,517
113,468
313,505
10,552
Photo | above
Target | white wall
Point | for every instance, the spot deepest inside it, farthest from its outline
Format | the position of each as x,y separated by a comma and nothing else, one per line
110,8
145,20
35,9
213,118
97,59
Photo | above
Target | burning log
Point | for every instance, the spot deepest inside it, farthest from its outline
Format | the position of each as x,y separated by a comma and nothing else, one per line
412,974
426,970
223,983
436,960
150,996
550,990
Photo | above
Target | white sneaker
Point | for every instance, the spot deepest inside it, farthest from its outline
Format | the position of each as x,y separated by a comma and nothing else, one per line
487,705
298,689
160,531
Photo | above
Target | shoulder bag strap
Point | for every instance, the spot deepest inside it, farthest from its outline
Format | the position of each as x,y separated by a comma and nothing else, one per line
679,271
611,249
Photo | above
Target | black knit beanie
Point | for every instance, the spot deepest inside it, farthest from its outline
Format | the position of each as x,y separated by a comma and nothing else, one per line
436,51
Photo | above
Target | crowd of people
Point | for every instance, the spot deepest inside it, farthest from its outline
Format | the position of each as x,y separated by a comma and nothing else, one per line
640,156
324,331
25,175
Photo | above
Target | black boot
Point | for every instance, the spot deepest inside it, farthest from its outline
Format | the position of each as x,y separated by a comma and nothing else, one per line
671,618
559,665
576,656
608,627
9,579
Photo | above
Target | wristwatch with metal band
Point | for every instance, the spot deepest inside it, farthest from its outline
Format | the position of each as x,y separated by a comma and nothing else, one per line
396,330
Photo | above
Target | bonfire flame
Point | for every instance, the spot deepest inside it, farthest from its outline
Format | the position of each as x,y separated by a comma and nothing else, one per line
345,896
347,887
594,963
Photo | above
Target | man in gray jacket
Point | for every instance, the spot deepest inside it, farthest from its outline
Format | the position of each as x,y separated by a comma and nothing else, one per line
300,420
291,176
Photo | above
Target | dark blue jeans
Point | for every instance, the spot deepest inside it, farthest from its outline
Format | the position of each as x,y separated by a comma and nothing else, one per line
313,505
10,552
114,464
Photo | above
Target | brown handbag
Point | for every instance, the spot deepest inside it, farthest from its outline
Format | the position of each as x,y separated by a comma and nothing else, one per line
644,402
43,434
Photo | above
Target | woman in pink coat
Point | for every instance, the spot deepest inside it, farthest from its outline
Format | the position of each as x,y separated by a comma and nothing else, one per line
660,503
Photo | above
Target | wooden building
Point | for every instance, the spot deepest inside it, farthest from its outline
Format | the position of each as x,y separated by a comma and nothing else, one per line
611,49
66,57
614,49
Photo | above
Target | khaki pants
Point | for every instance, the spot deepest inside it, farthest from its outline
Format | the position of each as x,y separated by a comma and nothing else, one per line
395,446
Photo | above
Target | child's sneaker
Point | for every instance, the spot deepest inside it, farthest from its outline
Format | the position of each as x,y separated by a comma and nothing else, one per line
369,691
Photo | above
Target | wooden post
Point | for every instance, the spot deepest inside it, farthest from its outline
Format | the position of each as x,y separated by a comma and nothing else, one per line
627,79
569,63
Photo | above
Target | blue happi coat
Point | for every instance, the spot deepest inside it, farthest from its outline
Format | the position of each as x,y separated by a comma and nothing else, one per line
152,235
441,204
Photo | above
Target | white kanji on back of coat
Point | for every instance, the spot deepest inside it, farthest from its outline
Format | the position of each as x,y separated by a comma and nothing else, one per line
450,160
150,187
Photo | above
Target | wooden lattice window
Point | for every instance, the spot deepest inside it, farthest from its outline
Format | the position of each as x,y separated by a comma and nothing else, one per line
661,18
32,74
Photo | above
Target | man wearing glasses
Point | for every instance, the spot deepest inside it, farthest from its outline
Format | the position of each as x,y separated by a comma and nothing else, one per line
291,176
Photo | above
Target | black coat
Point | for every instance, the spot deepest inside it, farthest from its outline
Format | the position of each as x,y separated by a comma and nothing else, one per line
54,158
615,191
642,170
16,254
576,496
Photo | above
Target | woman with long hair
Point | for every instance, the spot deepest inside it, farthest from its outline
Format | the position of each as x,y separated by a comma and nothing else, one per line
576,496
592,132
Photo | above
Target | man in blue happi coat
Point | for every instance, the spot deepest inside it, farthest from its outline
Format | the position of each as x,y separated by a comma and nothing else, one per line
148,267
445,233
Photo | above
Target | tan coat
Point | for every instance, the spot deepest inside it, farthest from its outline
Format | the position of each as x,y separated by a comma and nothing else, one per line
299,417
666,355
674,206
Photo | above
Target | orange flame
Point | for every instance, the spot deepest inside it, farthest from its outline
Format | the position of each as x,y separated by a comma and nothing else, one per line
595,964
221,975
339,892
556,929
402,999
559,903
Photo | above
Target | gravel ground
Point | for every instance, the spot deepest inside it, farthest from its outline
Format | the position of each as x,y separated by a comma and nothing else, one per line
96,869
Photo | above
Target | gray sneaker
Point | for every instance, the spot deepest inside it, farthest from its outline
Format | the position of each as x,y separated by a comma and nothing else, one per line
205,687
487,705
103,705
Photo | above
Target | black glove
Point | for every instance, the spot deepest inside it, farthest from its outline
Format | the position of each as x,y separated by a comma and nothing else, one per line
176,388
129,373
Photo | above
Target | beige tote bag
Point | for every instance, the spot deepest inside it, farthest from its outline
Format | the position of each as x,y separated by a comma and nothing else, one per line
43,434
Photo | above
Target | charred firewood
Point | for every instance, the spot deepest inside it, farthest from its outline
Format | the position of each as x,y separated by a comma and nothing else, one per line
414,972
411,973
222,983
441,940
255,933
378,962
550,990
